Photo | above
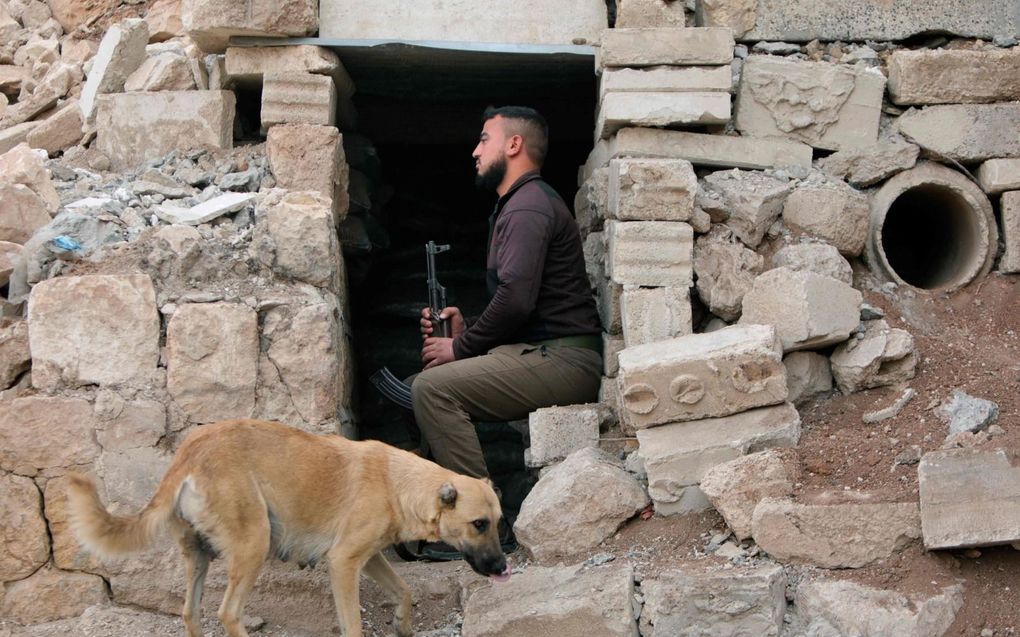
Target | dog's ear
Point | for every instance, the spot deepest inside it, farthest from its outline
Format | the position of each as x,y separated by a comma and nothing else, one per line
448,495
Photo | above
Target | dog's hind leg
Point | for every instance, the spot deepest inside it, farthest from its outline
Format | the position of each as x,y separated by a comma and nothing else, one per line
380,570
196,565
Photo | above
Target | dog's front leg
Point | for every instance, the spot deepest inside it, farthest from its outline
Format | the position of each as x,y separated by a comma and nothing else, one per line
380,570
344,574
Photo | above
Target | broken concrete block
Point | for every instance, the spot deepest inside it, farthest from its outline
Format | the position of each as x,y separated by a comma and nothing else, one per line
59,132
212,354
977,130
655,314
93,330
310,157
742,601
570,601
296,236
650,13
825,105
578,484
964,412
135,127
829,210
808,310
969,497
849,535
999,175
651,189
210,23
725,270
607,301
807,375
164,20
736,487
820,258
167,71
946,76
15,357
248,64
667,79
650,253
46,435
747,202
27,545
674,47
121,51
298,98
50,594
25,166
659,110
708,150
881,356
205,211
9,252
738,15
701,375
677,456
557,432
848,608
1010,204
868,165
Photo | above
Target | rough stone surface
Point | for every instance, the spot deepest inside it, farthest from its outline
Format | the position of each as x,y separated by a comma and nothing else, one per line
136,127
557,432
46,434
848,608
882,356
310,157
736,487
59,132
649,13
655,314
15,358
50,594
125,424
832,211
848,535
611,347
248,64
651,189
807,375
674,47
738,15
591,205
651,253
167,71
22,212
963,412
820,258
607,300
677,456
298,98
744,601
747,202
297,237
809,311
121,51
967,133
701,375
9,253
597,490
210,23
999,175
212,360
659,110
25,545
665,79
1010,205
825,105
943,76
725,270
93,329
567,601
969,497
164,20
25,166
868,165
17,134
707,150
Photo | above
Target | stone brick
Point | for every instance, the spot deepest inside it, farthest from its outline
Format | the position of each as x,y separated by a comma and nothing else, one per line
298,239
1010,261
868,165
121,51
22,212
166,71
651,189
825,105
677,456
17,134
999,175
976,130
945,76
674,47
651,253
708,150
808,310
594,249
46,434
849,535
725,270
832,211
655,109
133,128
591,205
650,13
742,601
739,15
25,545
125,424
131,476
212,360
248,64
50,594
969,497
807,375
882,356
701,375
655,314
15,358
298,98
26,166
820,258
310,157
94,330
736,487
164,20
747,202
556,432
210,23
59,132
667,79
611,348
607,300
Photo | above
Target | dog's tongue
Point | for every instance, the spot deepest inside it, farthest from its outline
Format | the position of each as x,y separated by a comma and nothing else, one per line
504,576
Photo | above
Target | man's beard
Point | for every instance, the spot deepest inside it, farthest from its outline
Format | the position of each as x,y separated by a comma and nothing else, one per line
492,177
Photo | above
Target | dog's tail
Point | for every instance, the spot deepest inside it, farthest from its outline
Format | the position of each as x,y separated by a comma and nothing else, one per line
105,534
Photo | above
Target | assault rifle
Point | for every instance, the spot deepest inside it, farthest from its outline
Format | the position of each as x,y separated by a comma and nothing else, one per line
389,385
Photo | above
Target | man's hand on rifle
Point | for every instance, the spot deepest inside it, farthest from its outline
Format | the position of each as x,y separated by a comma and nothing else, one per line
452,313
437,350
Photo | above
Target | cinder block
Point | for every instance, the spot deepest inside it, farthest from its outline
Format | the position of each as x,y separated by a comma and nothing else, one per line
675,47
556,432
650,253
659,110
298,98
655,314
651,189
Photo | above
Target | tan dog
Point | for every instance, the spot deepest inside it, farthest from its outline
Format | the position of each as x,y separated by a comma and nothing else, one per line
245,489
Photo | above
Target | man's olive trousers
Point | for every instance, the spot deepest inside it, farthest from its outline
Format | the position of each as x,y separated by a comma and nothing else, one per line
506,384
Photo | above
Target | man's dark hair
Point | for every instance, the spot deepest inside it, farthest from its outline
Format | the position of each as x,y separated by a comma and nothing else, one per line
526,122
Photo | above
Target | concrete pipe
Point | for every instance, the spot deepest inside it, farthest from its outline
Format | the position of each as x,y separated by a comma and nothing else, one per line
931,228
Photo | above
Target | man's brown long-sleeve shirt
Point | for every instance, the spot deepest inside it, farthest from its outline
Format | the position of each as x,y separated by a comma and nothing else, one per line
535,273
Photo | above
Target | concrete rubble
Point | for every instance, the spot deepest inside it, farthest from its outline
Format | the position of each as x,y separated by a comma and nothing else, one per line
878,356
736,487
